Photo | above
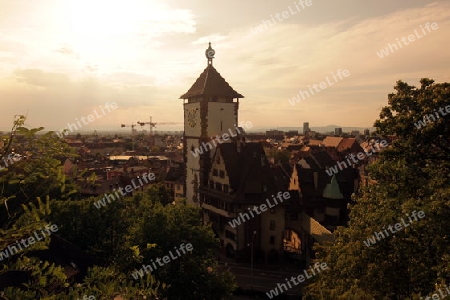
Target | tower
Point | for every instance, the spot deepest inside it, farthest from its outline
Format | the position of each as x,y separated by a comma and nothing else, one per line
210,109
305,128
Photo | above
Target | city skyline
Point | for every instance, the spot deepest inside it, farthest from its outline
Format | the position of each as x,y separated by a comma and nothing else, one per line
66,58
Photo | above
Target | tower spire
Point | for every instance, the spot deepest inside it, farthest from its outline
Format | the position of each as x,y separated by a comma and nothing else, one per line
210,54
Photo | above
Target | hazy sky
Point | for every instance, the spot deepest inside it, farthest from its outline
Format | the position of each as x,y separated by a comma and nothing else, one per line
62,59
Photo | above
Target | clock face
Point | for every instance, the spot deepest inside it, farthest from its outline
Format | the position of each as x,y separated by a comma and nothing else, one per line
192,117
210,53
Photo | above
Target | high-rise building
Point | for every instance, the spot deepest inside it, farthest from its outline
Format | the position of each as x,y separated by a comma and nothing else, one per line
305,128
338,131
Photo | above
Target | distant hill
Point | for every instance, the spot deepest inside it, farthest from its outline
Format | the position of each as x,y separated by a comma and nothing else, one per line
321,129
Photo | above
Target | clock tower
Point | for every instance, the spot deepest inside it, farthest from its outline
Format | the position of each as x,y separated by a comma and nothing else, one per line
210,110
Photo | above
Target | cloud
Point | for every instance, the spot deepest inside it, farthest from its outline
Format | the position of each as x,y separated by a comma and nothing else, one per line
39,78
147,66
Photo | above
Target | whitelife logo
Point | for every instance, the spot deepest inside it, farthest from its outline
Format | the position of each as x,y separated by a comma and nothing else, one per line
237,221
323,85
221,139
379,235
46,231
419,124
166,259
89,119
411,38
128,189
361,156
441,295
299,6
274,292
12,158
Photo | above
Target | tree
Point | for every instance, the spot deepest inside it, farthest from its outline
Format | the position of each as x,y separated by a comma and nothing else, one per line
130,232
31,167
192,276
48,281
412,175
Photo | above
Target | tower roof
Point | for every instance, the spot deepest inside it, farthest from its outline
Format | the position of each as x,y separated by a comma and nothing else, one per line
211,83
332,190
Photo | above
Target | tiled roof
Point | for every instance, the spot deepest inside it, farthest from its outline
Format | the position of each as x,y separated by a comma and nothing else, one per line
346,143
332,141
317,231
211,83
314,143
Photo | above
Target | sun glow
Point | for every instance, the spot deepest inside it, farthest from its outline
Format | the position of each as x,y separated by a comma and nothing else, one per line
103,17
108,29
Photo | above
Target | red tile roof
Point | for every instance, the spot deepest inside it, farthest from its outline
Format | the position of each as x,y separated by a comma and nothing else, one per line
332,141
347,143
211,83
314,143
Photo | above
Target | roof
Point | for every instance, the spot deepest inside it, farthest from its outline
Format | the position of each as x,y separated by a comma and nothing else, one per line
249,172
346,143
332,191
211,83
317,231
332,141
314,143
323,159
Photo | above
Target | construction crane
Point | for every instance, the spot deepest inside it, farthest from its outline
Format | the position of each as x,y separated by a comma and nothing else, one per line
153,125
132,133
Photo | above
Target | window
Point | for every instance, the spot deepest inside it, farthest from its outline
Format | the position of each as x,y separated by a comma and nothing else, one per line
211,184
215,172
272,225
272,240
225,188
218,186
221,174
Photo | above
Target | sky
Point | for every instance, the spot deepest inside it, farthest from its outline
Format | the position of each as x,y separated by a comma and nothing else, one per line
61,60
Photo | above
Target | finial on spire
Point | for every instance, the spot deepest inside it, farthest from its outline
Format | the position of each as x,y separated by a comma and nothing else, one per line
210,54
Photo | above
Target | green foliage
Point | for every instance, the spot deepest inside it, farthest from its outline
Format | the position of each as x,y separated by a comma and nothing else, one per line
39,173
106,283
131,231
411,175
48,281
32,220
159,192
